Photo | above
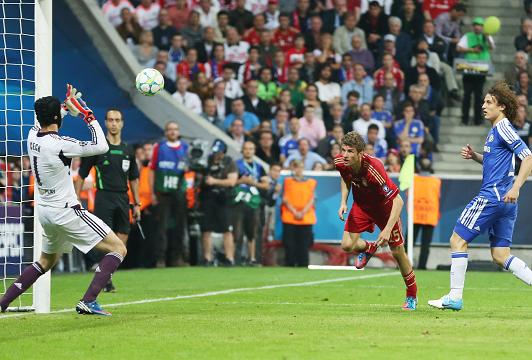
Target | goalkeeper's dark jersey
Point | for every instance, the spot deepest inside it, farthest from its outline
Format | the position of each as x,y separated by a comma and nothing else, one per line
113,169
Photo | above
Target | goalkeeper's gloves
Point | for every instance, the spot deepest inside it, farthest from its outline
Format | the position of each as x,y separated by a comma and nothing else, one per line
75,105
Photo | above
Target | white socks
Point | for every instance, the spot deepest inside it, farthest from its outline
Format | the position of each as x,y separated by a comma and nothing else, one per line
458,270
519,269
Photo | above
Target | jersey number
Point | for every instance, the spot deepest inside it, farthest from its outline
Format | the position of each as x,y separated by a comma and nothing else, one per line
396,236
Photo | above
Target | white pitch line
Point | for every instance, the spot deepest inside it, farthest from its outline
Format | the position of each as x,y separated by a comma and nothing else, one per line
333,267
222,292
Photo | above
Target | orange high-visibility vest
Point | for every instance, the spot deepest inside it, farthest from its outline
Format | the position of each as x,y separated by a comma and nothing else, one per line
145,191
298,194
190,191
88,195
426,200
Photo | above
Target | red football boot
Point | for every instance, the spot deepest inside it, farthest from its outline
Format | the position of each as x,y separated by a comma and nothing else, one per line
363,258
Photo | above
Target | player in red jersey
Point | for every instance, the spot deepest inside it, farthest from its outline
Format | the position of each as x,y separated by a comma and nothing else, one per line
376,200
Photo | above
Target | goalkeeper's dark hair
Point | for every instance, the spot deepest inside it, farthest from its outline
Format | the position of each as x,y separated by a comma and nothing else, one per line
48,111
506,97
354,140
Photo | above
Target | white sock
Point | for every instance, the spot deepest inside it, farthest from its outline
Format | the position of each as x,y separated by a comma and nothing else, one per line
519,269
458,270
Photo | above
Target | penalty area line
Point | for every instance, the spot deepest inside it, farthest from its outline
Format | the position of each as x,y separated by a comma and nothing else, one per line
222,292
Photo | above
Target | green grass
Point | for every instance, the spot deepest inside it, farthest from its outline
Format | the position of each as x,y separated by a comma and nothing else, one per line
337,320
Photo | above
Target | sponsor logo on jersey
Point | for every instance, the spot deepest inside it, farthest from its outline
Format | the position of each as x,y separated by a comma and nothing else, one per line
46,191
167,164
487,149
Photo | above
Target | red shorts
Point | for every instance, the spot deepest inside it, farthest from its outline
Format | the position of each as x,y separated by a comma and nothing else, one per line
360,220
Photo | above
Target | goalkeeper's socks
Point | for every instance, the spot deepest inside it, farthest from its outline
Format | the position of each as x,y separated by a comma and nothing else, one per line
411,285
458,270
519,268
102,275
24,281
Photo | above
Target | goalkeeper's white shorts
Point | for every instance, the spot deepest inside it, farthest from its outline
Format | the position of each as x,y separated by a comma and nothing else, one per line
67,227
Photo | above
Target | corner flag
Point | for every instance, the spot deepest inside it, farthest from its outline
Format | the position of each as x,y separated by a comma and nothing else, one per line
406,181
406,175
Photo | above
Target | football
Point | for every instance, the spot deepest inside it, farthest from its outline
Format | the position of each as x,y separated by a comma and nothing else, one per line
149,82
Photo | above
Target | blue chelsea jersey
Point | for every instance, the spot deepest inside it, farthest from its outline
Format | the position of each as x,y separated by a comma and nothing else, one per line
500,149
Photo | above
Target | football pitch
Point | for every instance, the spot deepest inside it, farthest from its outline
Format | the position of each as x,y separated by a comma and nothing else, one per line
275,313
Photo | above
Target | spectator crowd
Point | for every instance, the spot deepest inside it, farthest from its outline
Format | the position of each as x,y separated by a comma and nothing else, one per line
256,68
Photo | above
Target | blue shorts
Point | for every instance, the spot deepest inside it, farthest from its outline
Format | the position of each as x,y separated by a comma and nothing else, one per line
482,214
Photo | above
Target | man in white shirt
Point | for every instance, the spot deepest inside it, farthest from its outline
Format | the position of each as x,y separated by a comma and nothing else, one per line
236,51
189,100
329,91
233,90
148,14
272,15
223,103
361,125
207,13
113,8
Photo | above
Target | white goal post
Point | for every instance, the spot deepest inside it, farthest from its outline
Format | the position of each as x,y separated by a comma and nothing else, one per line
43,87
25,74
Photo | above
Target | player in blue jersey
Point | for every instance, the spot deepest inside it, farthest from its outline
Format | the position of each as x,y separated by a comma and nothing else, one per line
495,207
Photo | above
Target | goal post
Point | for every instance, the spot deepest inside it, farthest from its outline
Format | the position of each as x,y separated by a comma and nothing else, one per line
25,74
43,87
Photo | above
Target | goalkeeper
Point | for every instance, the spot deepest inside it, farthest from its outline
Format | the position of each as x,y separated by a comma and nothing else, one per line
65,223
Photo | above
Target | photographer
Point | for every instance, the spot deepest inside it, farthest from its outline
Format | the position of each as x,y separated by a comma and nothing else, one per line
216,202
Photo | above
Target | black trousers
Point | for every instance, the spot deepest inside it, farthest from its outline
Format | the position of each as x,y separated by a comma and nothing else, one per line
297,239
170,213
473,85
426,239
246,221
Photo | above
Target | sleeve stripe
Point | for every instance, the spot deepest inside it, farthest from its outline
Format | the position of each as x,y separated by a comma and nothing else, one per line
507,133
376,175
524,153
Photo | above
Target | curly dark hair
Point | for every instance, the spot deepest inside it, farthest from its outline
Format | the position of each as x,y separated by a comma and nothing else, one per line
506,97
355,140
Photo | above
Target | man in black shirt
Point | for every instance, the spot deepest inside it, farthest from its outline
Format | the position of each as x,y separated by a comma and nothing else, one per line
114,170
216,202
163,33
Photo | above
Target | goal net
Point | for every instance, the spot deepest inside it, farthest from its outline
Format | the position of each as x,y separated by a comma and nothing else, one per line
25,73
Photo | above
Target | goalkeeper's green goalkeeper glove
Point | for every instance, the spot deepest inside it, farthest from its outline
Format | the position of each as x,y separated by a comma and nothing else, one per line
75,105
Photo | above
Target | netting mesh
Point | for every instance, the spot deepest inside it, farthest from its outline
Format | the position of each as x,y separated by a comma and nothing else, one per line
17,91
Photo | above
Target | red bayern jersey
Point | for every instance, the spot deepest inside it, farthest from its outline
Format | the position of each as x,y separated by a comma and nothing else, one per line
371,186
285,39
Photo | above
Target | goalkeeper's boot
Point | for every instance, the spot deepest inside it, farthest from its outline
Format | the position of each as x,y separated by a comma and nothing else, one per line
362,259
91,308
410,303
109,287
447,303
